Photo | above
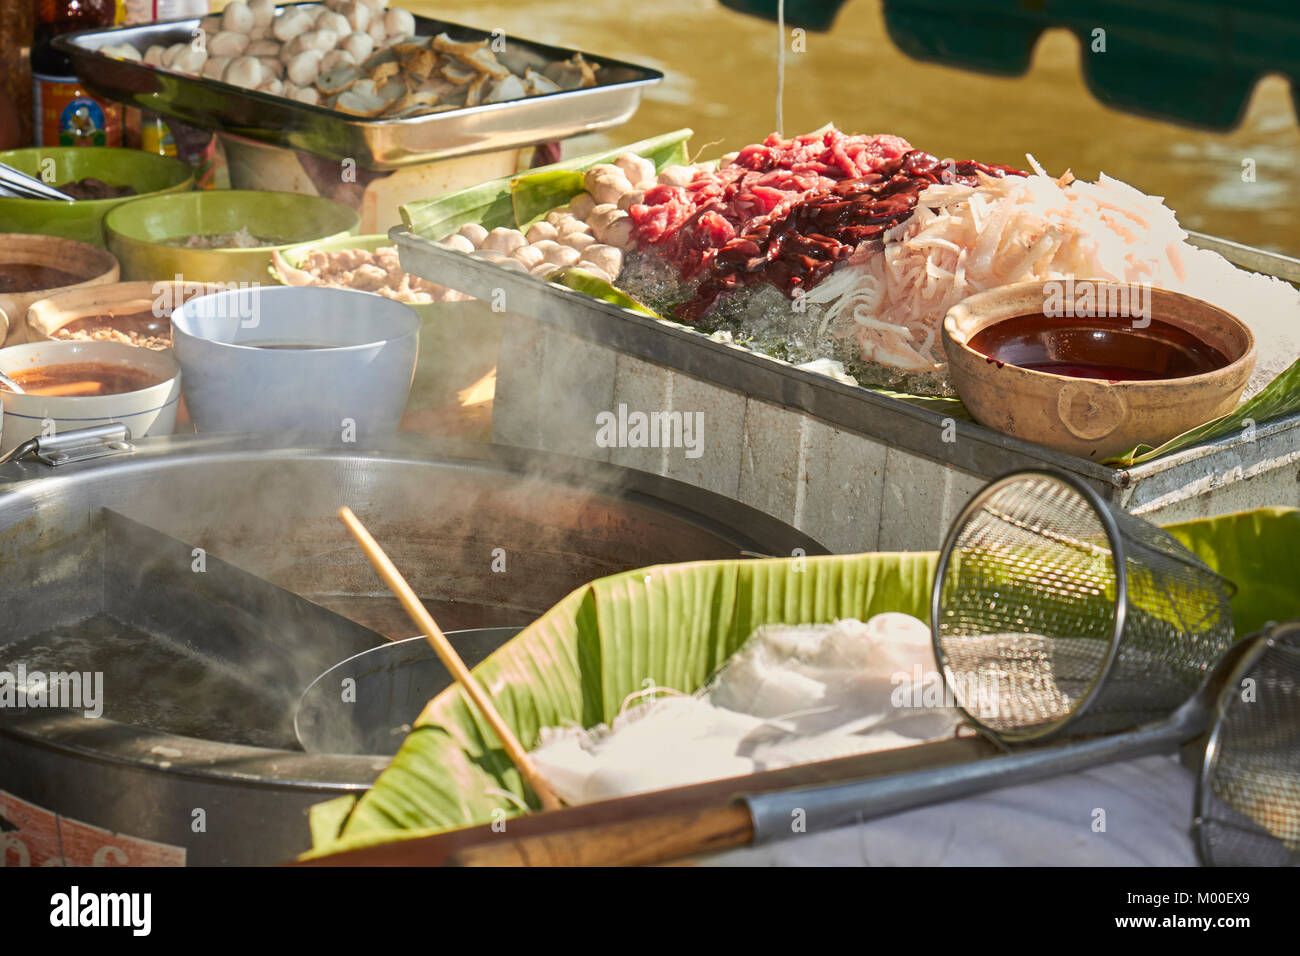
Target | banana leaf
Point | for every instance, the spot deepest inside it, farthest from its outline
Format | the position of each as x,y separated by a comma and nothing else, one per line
673,626
515,200
1280,397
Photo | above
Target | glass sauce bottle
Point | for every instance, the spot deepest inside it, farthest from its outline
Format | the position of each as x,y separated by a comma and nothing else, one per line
64,113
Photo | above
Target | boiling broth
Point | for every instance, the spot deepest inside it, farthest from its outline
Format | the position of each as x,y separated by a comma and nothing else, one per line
84,378
1108,349
160,684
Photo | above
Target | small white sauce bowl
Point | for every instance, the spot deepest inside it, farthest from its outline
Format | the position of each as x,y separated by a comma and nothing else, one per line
146,411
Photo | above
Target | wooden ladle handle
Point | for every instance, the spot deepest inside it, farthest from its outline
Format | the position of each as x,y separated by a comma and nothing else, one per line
637,842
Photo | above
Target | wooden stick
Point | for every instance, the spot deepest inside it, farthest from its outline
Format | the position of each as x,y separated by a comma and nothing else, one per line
642,842
450,659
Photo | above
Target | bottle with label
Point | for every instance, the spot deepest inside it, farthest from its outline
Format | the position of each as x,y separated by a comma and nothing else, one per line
65,114
151,132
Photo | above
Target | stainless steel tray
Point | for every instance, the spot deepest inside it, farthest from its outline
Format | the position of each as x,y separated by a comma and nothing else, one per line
763,410
371,143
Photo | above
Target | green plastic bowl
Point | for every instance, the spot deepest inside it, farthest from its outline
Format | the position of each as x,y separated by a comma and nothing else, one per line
82,219
138,232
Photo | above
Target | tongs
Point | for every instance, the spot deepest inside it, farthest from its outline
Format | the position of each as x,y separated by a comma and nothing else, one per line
16,184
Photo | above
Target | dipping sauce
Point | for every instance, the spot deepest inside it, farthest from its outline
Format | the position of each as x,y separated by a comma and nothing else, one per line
1100,348
29,277
75,379
132,328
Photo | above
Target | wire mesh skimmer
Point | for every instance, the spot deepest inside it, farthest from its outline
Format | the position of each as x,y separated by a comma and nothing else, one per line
1051,609
1248,795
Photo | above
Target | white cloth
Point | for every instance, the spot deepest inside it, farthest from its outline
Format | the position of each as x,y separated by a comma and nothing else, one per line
1147,805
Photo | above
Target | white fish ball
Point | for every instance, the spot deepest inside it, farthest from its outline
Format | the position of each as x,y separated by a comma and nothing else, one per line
598,216
606,183
215,67
272,86
334,22
457,243
237,17
676,175
572,226
336,58
578,240
228,43
636,168
320,40
504,240
360,45
490,255
541,230
475,233
304,68
357,14
153,56
528,256
595,270
291,23
291,49
190,61
271,67
605,257
512,265
244,71
631,199
542,270
581,205
558,254
261,48
620,233
307,95
376,6
169,55
399,22
121,51
604,219
376,30
263,12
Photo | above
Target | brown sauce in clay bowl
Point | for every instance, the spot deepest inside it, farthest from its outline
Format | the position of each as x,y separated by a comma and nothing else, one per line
1096,386
35,267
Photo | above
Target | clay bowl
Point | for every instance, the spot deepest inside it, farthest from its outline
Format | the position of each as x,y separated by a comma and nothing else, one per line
143,308
1096,417
87,265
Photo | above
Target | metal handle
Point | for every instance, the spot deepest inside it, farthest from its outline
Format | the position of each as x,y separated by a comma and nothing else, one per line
80,444
824,808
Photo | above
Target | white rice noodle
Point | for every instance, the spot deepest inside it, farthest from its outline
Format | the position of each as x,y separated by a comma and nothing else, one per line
965,239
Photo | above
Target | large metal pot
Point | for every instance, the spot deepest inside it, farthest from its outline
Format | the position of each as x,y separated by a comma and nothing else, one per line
487,536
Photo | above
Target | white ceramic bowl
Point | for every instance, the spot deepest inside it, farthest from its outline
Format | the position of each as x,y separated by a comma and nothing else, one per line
354,386
148,411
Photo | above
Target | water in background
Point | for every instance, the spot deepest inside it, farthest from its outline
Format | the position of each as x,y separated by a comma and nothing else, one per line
721,69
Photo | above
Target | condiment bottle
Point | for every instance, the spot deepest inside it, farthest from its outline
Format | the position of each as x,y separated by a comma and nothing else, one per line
64,113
